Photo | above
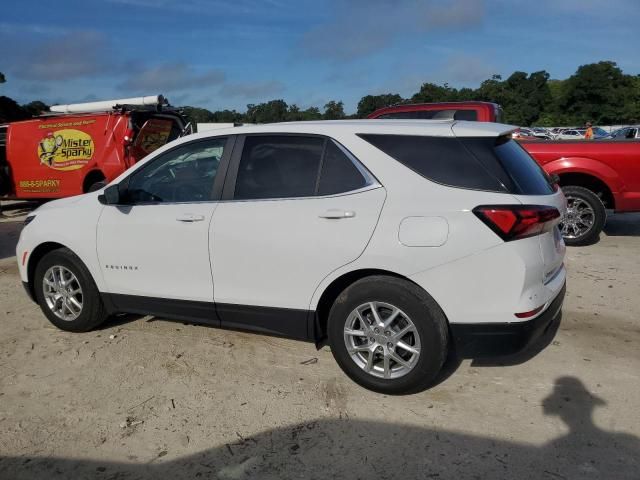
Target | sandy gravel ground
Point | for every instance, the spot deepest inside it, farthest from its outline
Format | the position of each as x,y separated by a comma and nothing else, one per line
149,398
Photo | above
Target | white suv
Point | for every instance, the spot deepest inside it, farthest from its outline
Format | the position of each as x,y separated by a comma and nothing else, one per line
395,241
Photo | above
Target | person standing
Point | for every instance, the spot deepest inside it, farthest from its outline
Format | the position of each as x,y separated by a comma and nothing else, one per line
588,135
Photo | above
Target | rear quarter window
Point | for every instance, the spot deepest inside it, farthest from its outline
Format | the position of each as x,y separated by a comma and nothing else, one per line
497,164
443,160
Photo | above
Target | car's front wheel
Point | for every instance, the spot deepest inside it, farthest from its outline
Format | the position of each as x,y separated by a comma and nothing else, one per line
388,335
67,293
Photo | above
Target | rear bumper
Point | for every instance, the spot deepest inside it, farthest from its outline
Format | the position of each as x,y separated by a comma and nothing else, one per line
488,339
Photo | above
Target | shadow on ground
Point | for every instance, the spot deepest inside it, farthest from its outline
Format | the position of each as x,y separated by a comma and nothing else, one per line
9,230
623,225
330,448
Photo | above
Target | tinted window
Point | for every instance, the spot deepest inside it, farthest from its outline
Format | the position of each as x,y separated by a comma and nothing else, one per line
339,174
510,163
471,115
278,167
441,159
185,174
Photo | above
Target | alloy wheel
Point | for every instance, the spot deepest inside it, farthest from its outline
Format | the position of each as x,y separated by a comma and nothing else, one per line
382,340
579,218
62,293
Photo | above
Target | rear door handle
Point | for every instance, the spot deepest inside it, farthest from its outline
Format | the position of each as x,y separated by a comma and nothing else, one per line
189,217
337,213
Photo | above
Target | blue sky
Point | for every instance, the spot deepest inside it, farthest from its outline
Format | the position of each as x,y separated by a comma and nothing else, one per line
225,54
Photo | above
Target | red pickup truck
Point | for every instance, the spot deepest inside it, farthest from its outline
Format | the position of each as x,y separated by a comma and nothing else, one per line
595,175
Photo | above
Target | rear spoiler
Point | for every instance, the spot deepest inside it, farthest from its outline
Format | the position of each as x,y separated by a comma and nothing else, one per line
481,129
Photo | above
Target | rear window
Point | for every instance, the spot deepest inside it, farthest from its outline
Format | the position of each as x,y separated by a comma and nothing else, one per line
449,114
478,163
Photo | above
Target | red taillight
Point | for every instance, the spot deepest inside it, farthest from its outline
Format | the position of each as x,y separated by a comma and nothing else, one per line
512,222
530,313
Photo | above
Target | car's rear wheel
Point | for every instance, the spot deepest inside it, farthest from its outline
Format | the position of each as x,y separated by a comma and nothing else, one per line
585,217
67,293
388,335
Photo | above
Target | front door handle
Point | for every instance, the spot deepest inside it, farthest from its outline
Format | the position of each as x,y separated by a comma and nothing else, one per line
337,213
189,217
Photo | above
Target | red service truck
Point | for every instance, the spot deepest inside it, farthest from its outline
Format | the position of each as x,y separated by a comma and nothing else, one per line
78,148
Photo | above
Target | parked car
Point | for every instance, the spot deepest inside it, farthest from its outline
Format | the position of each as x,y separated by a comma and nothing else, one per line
78,148
626,133
394,241
471,111
571,134
595,175
522,133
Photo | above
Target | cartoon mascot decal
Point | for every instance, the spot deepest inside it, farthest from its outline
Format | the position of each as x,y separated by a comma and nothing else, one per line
48,147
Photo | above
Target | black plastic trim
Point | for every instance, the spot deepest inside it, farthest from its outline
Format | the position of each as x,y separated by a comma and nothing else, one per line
488,339
284,322
188,310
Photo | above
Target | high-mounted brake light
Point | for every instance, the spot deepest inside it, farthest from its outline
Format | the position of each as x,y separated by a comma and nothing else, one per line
513,222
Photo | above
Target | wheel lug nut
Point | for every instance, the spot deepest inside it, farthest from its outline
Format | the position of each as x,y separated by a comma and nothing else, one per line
389,345
376,330
371,339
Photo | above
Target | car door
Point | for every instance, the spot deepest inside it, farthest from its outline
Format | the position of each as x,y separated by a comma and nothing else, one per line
154,248
295,208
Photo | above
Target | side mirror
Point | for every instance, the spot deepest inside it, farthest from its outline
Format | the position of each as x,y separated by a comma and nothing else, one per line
110,195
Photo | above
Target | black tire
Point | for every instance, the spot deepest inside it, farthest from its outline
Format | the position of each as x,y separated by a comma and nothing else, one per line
96,186
591,235
424,312
93,312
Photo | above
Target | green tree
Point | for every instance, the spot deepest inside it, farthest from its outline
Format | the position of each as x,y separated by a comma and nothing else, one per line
269,112
228,116
598,92
198,115
333,110
370,103
430,93
2,78
10,111
35,108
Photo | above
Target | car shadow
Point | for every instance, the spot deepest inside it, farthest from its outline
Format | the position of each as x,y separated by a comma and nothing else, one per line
354,448
623,225
9,233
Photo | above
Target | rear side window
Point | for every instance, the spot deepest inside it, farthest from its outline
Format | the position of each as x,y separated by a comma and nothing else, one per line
480,163
441,159
510,163
339,174
278,167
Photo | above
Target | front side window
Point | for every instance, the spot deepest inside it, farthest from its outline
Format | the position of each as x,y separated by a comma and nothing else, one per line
184,174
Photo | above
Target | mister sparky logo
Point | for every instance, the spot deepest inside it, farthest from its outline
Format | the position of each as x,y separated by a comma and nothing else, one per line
66,150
